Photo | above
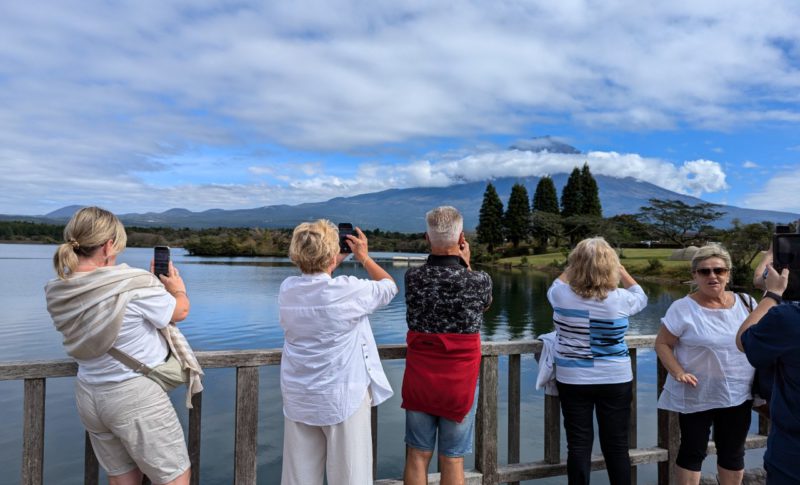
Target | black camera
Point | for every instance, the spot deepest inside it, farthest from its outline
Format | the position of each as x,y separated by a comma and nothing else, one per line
345,228
786,254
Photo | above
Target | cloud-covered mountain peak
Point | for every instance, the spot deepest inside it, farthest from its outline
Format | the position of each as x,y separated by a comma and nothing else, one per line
544,144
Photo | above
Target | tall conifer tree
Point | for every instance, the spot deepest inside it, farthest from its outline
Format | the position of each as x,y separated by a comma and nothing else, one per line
545,198
591,195
490,219
572,195
517,215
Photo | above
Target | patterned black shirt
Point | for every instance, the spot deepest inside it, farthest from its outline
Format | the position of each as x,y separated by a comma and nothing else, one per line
443,296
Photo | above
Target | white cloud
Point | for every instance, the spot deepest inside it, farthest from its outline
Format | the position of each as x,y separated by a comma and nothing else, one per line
107,90
779,193
749,164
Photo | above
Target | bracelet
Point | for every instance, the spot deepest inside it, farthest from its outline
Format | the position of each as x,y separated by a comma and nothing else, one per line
179,291
774,296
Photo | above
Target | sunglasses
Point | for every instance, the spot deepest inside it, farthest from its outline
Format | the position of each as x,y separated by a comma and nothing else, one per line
707,271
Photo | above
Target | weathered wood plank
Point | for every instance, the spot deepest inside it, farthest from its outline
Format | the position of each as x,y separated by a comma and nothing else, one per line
669,434
33,432
91,468
633,428
486,421
513,432
552,429
16,370
752,441
246,426
195,429
542,469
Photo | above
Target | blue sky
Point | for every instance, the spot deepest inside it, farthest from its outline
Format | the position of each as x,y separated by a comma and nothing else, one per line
147,105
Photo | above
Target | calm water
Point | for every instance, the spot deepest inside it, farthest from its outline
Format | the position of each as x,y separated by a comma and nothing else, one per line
234,306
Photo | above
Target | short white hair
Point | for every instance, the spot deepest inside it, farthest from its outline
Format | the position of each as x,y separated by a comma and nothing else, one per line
444,225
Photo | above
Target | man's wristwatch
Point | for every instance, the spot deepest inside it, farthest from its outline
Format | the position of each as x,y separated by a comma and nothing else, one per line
774,296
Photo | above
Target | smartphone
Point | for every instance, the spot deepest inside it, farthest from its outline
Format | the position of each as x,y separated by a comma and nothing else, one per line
786,254
161,258
345,228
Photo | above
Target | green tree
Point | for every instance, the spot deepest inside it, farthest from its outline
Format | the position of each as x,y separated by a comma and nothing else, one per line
545,205
677,221
517,215
591,195
572,195
744,242
490,219
545,198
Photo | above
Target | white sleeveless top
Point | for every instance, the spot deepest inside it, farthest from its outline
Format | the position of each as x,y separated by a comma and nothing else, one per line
707,349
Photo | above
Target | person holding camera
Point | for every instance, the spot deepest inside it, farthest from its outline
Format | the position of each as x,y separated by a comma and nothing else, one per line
445,302
98,305
709,381
770,335
330,369
593,366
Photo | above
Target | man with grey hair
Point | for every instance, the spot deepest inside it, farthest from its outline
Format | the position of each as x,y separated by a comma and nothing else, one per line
445,301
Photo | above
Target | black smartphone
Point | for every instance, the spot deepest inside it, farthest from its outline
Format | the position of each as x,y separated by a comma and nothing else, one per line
345,228
161,258
786,254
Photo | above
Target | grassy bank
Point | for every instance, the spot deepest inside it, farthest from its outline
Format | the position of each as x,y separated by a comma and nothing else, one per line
643,263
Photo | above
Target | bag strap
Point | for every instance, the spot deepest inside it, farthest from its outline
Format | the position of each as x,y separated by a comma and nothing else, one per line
135,364
748,303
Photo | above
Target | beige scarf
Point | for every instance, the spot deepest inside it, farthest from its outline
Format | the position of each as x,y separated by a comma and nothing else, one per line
87,308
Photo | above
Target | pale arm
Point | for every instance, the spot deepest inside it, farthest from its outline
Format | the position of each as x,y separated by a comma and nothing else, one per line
776,283
359,245
665,345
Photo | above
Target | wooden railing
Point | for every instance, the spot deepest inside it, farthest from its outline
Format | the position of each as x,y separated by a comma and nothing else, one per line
490,471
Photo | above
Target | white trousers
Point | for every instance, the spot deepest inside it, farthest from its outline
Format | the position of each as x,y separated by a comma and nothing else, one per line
343,450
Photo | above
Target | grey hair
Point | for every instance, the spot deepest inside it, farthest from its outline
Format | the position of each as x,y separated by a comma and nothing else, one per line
444,225
711,251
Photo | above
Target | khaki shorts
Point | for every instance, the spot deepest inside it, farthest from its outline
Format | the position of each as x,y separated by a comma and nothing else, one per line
133,424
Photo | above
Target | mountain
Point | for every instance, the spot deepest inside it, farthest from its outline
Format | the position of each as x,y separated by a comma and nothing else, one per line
404,209
544,144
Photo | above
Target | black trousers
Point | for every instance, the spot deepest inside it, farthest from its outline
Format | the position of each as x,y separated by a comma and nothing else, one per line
730,431
612,403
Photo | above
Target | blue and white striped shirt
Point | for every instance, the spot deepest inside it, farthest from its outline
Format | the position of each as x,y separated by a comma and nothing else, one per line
590,345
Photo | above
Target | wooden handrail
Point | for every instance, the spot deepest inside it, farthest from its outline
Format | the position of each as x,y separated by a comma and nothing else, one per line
247,363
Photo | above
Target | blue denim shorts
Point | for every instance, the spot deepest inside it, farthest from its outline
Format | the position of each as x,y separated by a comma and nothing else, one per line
455,439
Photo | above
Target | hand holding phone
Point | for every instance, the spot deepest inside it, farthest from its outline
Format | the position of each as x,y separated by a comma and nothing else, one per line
345,228
161,259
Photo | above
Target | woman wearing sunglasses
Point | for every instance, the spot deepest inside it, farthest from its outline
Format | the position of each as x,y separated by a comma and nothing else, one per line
709,382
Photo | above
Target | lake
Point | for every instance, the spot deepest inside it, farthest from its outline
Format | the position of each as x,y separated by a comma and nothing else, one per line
234,306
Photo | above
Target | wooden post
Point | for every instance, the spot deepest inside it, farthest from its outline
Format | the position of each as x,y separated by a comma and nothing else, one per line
552,429
195,428
33,432
246,426
669,434
91,467
514,377
486,421
374,423
632,429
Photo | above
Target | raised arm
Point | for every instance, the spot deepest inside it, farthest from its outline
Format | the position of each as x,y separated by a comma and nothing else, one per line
359,245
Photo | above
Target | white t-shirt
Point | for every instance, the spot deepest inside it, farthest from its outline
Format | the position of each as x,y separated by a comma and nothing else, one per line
590,345
138,337
330,358
706,348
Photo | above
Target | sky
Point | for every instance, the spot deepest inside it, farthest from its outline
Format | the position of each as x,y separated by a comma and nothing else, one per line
148,105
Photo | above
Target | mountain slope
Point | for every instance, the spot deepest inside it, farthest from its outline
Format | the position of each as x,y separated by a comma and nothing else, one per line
404,209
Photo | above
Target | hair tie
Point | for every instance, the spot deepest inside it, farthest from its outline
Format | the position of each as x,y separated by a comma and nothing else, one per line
75,244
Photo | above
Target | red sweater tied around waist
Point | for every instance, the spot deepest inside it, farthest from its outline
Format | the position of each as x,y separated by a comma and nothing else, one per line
441,373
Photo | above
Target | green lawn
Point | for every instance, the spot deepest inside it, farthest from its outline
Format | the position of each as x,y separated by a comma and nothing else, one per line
635,260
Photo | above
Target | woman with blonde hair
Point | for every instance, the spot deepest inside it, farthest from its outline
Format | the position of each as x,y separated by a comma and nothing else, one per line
98,306
330,369
709,380
593,368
